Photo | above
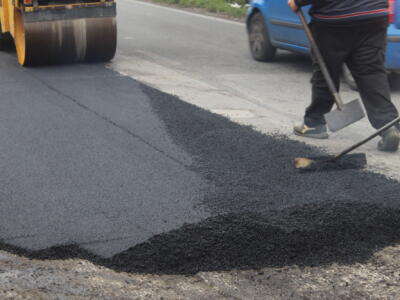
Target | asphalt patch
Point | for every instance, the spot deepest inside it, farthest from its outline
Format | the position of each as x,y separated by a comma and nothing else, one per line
255,172
264,213
310,235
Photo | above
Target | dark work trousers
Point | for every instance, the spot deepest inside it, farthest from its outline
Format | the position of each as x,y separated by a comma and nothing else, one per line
362,47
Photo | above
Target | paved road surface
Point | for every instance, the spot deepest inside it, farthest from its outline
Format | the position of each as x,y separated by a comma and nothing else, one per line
206,61
85,159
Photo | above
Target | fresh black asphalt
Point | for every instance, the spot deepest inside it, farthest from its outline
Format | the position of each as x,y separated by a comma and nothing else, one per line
265,213
97,160
85,160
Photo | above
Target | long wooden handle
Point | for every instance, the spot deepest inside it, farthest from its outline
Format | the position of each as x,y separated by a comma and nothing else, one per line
351,148
320,61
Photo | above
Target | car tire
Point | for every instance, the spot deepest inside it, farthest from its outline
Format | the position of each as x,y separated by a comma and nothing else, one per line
348,78
259,41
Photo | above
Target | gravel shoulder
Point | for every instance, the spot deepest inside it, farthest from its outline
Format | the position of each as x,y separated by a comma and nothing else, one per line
23,278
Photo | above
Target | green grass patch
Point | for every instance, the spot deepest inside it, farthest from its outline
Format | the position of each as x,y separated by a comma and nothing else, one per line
215,6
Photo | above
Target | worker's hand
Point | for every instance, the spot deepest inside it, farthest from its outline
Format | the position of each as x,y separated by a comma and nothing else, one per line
293,5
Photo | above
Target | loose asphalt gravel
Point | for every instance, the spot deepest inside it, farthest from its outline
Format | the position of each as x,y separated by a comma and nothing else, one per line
263,212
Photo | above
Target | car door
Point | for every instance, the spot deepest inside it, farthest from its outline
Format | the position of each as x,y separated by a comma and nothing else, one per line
397,13
286,28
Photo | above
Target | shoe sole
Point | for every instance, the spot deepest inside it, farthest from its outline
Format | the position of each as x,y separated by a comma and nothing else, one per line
391,143
317,136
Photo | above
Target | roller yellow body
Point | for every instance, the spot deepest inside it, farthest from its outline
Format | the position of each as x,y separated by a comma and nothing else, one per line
59,31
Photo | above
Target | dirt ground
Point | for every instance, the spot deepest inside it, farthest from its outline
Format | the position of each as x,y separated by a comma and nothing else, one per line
23,278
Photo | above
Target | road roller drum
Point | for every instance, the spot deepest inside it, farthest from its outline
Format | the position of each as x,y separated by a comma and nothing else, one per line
48,32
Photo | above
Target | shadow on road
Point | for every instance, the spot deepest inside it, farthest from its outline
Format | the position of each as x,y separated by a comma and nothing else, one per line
264,213
296,61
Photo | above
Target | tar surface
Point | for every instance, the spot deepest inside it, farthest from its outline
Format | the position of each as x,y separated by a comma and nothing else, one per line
264,213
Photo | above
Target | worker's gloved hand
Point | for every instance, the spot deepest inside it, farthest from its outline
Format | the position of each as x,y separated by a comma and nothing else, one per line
293,5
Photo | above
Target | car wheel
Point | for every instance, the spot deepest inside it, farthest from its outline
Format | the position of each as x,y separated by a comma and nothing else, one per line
348,78
260,44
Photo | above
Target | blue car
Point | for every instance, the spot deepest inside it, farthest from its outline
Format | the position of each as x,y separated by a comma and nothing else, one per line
271,25
397,13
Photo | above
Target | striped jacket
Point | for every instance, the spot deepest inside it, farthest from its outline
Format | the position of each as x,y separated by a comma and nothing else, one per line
345,10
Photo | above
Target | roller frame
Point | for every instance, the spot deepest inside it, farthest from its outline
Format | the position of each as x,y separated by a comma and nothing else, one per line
65,33
42,14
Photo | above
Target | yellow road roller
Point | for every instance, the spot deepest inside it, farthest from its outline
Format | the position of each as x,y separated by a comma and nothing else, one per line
59,31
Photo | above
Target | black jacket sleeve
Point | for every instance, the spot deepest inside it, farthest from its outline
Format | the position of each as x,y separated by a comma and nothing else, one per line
303,2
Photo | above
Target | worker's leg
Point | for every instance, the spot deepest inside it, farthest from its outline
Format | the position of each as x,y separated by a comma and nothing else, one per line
367,64
333,43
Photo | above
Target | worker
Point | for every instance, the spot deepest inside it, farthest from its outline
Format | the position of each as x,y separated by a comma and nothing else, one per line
351,32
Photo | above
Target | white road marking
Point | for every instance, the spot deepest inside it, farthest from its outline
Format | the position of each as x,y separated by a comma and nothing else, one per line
187,13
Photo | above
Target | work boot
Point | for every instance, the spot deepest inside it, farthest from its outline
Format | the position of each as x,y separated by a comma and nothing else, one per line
318,132
390,140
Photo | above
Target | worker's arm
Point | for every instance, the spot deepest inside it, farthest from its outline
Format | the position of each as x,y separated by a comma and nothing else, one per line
295,4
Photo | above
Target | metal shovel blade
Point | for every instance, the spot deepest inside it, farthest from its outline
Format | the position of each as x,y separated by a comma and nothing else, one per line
351,112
